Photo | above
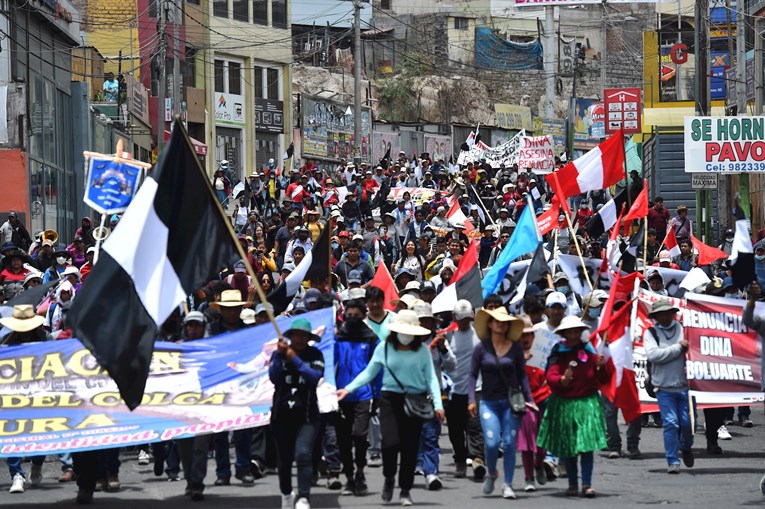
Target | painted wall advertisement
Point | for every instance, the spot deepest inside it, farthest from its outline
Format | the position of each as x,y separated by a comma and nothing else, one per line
328,130
382,142
724,144
556,129
229,109
511,116
439,147
589,123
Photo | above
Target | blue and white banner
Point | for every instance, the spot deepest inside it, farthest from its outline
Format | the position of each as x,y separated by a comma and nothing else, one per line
56,398
110,184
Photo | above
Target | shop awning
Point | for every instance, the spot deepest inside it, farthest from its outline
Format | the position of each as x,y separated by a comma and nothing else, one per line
199,147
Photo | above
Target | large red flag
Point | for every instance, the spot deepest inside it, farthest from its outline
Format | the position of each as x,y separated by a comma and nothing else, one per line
599,168
623,386
549,220
639,207
384,282
707,254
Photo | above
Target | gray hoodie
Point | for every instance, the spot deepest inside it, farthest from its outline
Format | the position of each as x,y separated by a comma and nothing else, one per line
667,358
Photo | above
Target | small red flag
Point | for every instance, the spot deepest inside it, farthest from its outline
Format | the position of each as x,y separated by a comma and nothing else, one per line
707,254
384,281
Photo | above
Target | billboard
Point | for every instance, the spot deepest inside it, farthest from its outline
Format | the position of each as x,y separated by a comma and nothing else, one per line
589,123
328,130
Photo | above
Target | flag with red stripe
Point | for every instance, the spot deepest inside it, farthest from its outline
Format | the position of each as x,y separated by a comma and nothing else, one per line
384,282
619,339
465,284
639,207
670,242
707,254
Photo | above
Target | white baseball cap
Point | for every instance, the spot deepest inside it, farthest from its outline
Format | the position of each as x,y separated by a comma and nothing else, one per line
556,298
463,309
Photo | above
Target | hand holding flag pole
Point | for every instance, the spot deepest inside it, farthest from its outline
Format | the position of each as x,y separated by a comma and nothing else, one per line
573,236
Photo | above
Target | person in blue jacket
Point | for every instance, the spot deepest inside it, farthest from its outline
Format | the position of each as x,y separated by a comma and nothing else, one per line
355,342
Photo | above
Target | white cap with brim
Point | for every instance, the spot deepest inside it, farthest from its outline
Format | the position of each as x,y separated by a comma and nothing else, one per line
407,299
571,322
195,316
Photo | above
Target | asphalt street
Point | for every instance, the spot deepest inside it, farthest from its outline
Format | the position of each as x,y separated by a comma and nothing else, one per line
730,480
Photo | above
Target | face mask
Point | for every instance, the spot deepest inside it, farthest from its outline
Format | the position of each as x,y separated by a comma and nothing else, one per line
60,260
759,258
382,231
593,313
729,239
666,327
353,322
405,339
562,289
335,245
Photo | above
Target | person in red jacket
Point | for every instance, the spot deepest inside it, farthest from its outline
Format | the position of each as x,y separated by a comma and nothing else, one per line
532,454
573,424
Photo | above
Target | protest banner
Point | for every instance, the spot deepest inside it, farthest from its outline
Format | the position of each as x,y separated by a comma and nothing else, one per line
56,398
537,154
544,341
506,154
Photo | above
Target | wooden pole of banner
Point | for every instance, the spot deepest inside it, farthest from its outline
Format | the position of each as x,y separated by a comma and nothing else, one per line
645,245
231,232
578,249
555,251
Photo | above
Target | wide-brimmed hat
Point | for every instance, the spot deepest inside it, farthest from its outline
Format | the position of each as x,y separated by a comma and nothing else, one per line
408,299
229,299
71,270
356,293
682,207
514,332
32,275
403,270
571,322
302,324
407,322
423,309
23,319
528,325
412,287
662,305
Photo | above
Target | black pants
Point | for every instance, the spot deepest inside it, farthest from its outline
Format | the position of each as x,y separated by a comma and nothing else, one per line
713,418
294,443
464,431
352,431
263,449
400,436
89,467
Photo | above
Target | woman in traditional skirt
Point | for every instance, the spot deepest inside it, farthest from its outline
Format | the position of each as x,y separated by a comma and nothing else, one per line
573,423
532,454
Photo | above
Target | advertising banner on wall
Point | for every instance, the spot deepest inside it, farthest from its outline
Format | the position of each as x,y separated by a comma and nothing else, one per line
589,123
439,147
229,109
328,130
724,144
513,116
382,142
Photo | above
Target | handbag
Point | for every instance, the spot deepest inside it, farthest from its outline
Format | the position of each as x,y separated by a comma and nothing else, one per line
418,405
514,394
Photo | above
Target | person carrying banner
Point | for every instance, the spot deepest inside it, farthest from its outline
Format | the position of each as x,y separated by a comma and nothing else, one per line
295,370
757,324
665,348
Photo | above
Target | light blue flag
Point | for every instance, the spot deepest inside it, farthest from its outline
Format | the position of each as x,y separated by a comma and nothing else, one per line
523,241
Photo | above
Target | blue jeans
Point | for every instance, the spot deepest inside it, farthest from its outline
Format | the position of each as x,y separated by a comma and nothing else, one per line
500,426
677,423
242,440
427,459
588,458
14,465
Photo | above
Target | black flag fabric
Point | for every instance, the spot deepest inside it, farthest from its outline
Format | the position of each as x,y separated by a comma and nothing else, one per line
742,251
538,268
290,151
629,255
172,239
607,216
314,266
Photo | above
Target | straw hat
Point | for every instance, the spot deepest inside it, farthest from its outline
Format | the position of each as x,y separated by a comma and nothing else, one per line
303,325
407,322
514,332
24,319
571,322
229,299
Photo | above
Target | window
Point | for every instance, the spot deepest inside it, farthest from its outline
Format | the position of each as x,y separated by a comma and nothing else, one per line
273,83
220,8
461,23
260,12
259,82
220,79
385,5
193,2
240,11
234,78
189,68
279,13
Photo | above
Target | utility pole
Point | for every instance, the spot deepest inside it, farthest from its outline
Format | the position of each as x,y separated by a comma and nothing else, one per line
740,58
161,87
701,96
549,63
176,59
357,82
603,52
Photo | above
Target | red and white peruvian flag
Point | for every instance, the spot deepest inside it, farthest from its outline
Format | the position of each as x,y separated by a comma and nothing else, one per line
599,168
670,242
455,215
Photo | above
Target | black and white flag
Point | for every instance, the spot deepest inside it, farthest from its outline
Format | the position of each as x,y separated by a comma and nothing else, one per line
607,216
172,239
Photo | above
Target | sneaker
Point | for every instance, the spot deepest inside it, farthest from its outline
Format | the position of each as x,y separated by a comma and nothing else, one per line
507,491
688,458
479,470
173,477
419,471
387,491
762,485
302,503
432,482
614,454
746,422
360,483
223,481
405,498
714,449
541,474
488,484
551,469
245,476
288,501
113,482
17,484
334,482
256,469
143,458
197,495
36,477
530,486
634,453
159,467
722,433
66,476
673,469
349,488
460,471
84,497
375,461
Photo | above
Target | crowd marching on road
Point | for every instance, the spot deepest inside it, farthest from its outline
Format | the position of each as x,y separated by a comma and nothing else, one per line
404,370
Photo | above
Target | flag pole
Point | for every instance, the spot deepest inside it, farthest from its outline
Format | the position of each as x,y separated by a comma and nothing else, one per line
230,229
555,251
645,245
578,249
